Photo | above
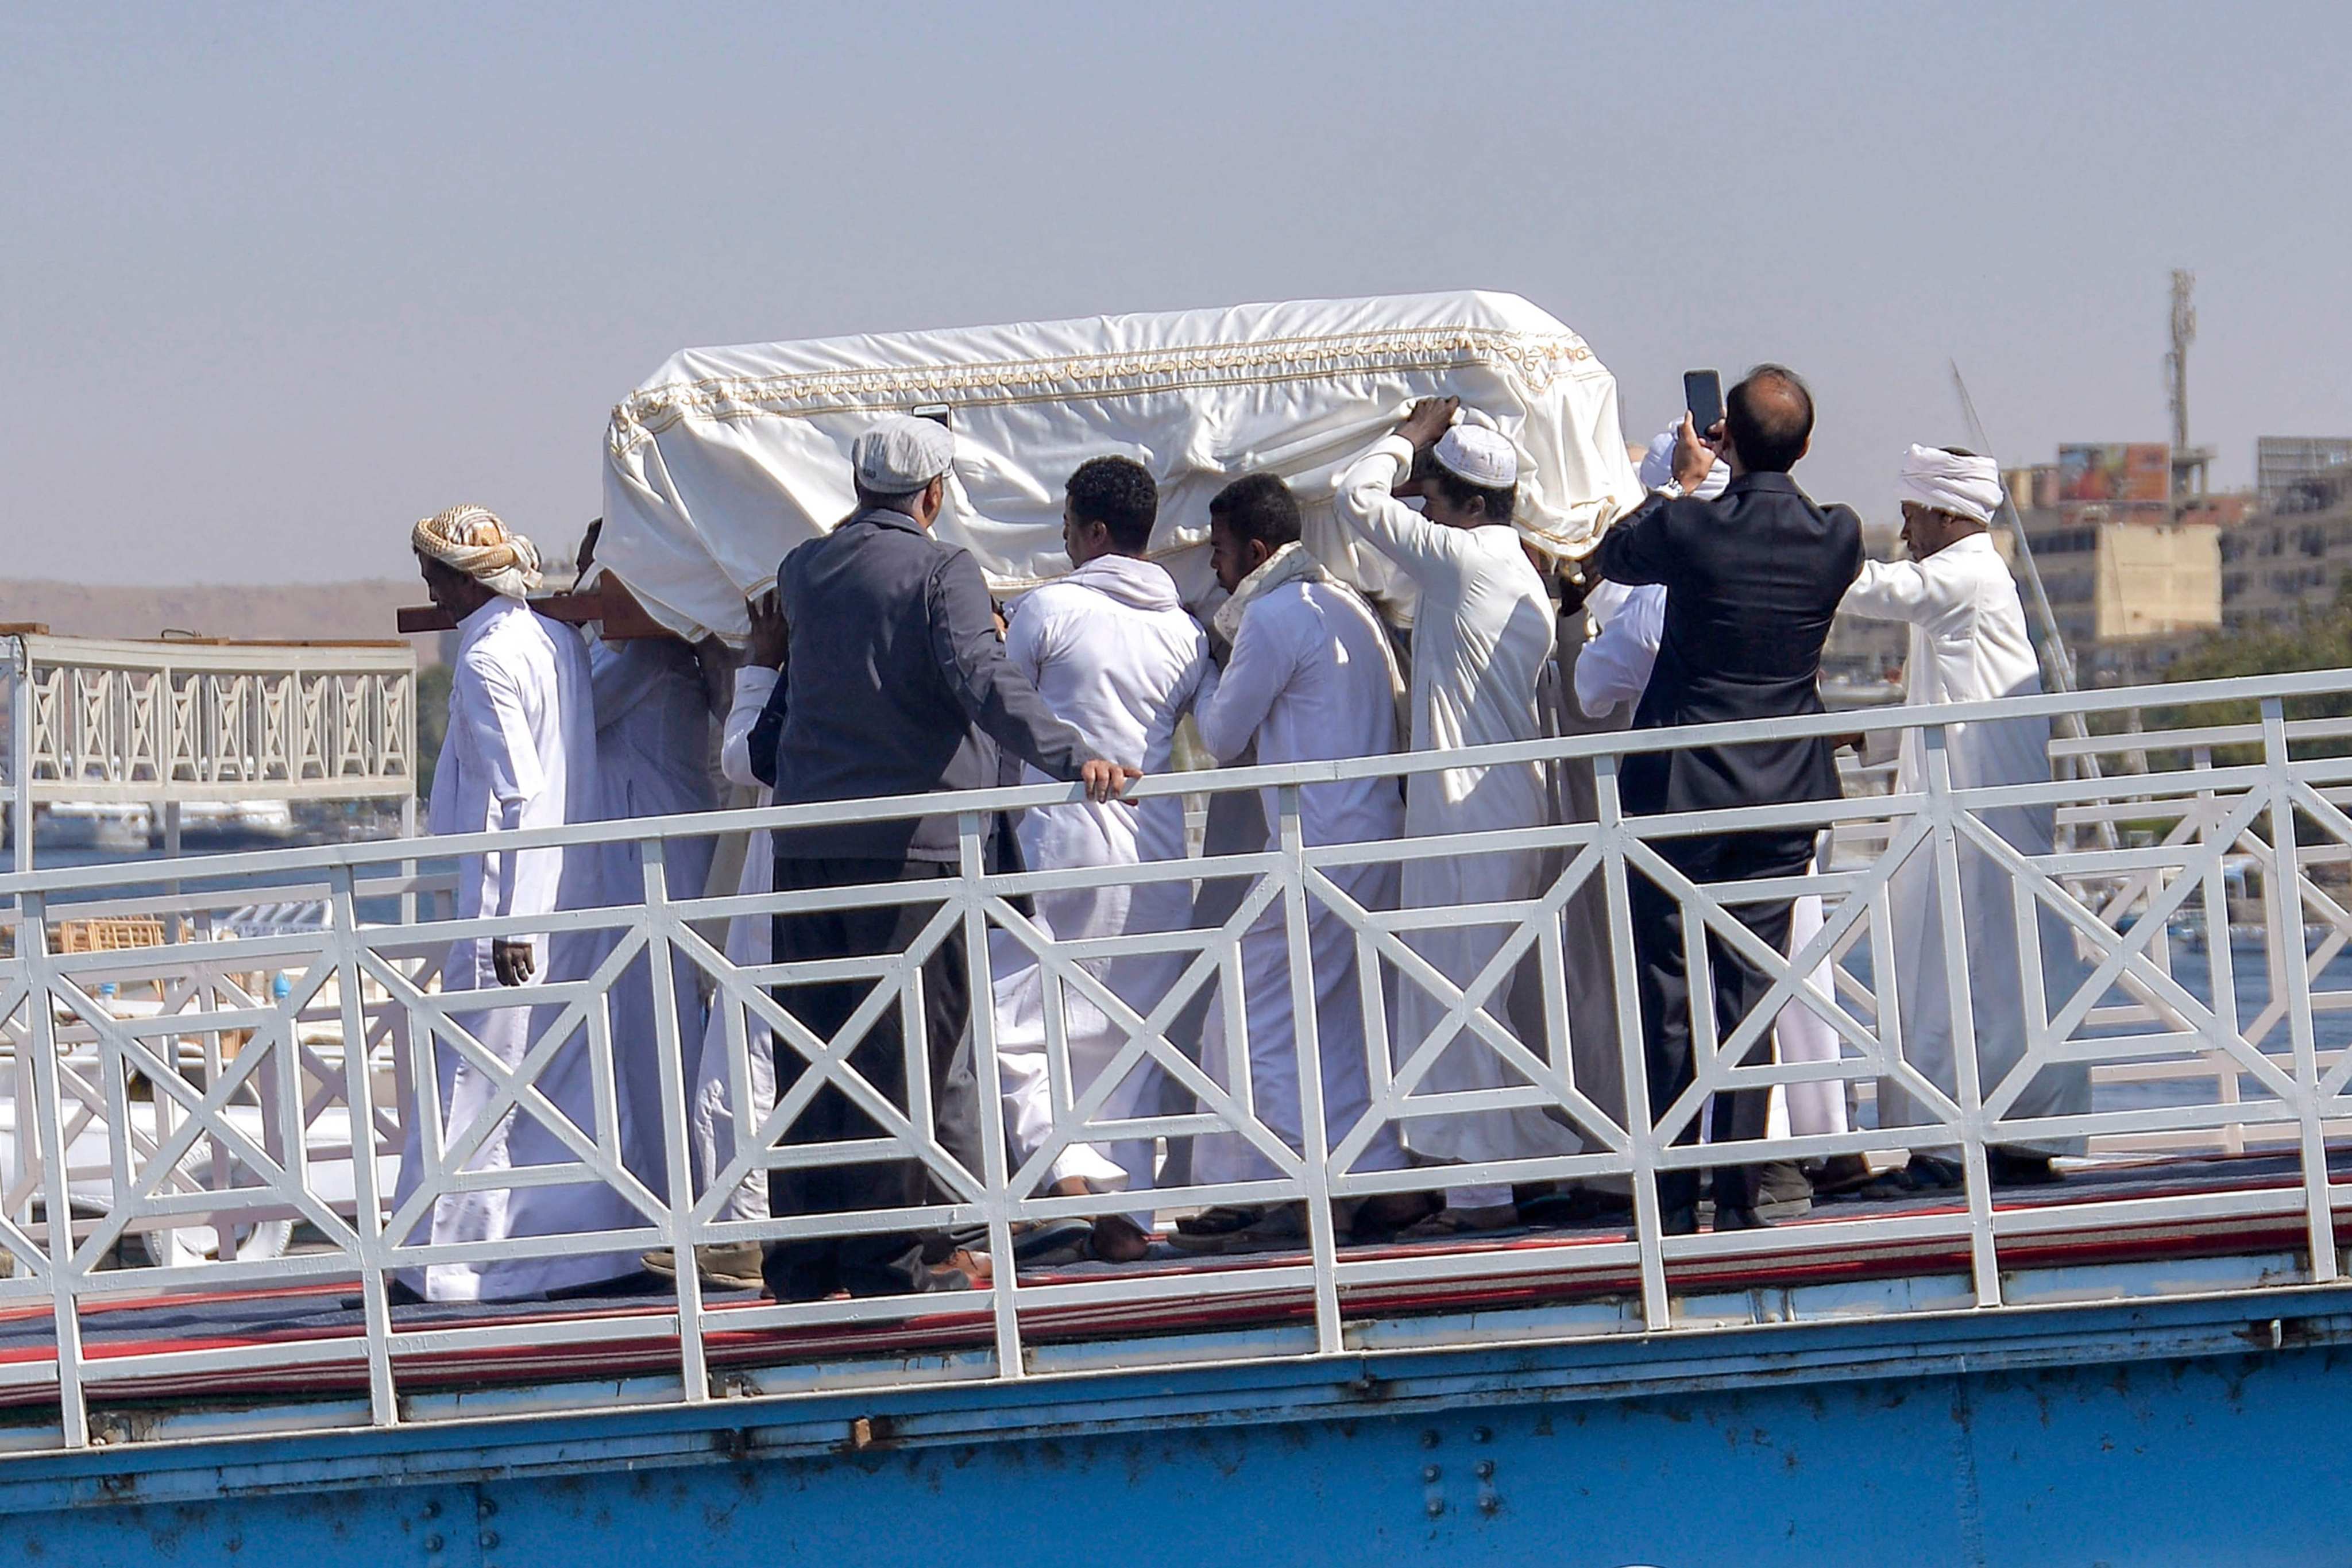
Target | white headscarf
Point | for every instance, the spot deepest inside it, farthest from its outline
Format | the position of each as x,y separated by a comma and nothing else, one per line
1967,487
1658,467
472,540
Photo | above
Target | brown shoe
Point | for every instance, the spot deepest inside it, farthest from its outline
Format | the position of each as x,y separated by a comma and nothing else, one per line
723,1265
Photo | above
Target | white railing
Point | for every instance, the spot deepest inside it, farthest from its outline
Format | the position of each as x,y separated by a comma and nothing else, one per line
247,1137
168,722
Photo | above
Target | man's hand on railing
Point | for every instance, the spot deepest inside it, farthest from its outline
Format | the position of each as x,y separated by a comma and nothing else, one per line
1104,780
512,960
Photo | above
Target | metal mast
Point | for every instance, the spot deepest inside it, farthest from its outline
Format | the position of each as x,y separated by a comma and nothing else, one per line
2176,364
2188,462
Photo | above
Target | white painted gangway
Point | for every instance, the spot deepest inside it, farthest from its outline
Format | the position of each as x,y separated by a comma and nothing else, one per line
2205,888
168,724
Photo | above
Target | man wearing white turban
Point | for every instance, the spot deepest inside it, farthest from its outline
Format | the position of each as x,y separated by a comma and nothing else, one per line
520,752
1482,637
1969,643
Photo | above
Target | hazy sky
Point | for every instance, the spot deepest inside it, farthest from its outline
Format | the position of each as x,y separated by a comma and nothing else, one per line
278,279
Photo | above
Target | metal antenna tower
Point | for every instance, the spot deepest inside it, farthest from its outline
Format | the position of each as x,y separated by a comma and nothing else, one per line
2176,364
2188,462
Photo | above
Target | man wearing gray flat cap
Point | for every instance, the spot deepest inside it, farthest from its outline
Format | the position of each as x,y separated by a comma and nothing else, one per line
893,682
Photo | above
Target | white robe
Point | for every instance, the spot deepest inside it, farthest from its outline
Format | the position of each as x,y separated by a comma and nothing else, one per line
1308,679
1112,651
714,1122
653,750
1969,643
1611,672
519,752
1482,635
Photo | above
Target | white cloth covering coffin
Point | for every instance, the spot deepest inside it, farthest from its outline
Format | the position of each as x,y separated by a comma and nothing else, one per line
1112,651
724,458
520,752
1969,643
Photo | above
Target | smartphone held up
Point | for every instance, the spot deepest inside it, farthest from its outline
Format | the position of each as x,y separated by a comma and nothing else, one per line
1703,397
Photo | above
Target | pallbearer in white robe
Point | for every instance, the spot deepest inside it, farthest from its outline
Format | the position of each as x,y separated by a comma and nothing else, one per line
1482,635
1111,649
729,1095
653,750
1311,677
1969,643
520,752
720,1115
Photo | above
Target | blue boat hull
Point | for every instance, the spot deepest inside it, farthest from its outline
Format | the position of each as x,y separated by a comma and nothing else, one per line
2188,1433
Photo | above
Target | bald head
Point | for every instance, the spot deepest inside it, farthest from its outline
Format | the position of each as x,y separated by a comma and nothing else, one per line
1769,419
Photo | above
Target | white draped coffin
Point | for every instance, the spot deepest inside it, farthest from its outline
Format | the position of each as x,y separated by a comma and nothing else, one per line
724,458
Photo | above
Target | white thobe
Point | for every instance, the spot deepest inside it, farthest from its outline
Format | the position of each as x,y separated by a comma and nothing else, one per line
1611,672
1482,635
1596,1058
722,1108
519,752
653,750
1112,651
1308,679
1969,643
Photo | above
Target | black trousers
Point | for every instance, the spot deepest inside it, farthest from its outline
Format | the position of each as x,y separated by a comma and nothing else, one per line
889,1262
1738,986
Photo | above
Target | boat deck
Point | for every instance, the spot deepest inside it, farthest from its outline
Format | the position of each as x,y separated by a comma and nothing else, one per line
2062,1228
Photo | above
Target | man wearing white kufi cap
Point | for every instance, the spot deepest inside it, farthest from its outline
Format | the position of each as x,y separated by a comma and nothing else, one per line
1969,643
519,752
1482,637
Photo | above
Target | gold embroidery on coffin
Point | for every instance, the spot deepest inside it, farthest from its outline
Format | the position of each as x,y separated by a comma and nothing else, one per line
1538,361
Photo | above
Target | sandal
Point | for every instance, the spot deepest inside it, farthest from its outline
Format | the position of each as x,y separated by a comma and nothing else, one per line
1225,1227
1116,1238
1923,1174
1461,1222
1382,1218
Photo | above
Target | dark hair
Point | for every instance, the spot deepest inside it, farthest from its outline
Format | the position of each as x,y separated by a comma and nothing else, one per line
1259,507
891,501
1496,504
1769,418
1116,493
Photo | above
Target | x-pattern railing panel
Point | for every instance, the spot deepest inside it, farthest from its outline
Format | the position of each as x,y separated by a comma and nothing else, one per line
238,1083
159,721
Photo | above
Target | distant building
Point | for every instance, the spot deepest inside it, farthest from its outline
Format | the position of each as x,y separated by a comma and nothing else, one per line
2302,473
2111,580
2278,566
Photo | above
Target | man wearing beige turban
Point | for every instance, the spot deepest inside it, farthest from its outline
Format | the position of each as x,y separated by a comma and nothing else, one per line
520,753
1969,644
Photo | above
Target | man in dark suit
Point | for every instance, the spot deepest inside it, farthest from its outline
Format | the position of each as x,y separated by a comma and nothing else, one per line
894,682
1752,580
